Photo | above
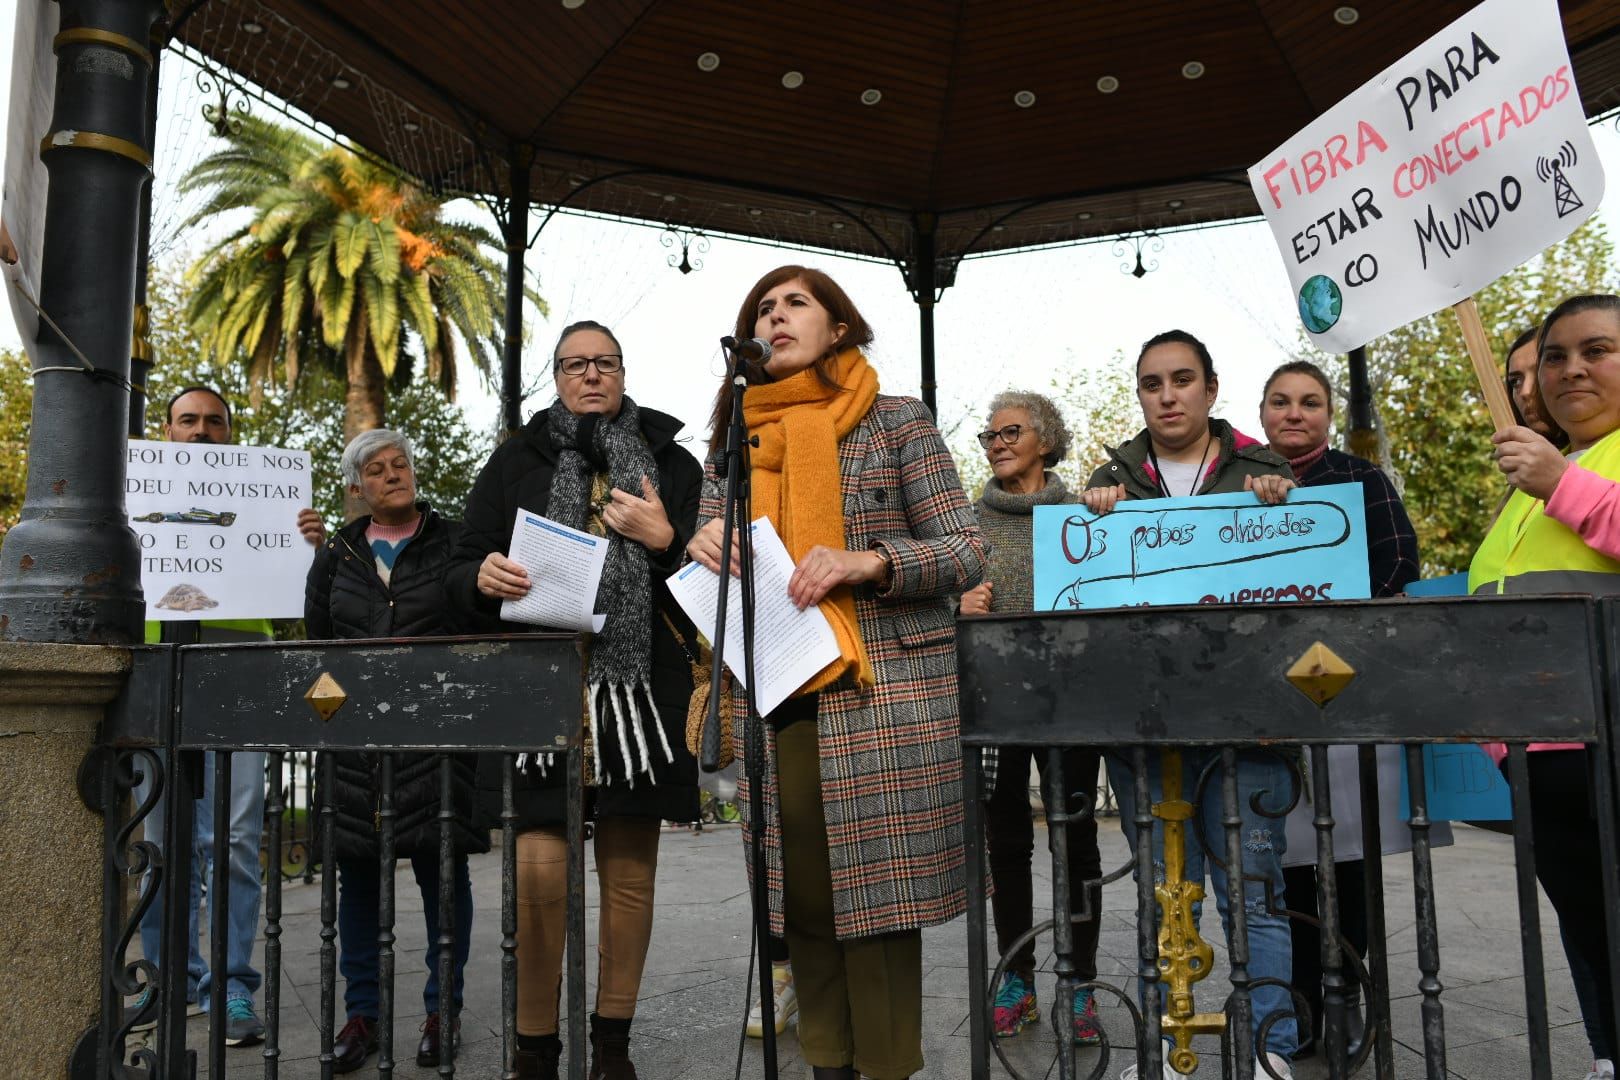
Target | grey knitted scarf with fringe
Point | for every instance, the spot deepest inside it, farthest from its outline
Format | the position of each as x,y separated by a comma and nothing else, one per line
620,675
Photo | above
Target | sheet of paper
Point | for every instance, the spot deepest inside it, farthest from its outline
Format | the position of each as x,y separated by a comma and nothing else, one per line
789,645
565,570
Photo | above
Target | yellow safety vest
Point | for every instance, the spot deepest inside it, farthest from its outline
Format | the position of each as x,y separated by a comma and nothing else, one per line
1528,552
250,629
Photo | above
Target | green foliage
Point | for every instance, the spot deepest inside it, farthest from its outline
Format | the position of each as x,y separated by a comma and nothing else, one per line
309,415
345,263
1098,403
1429,401
16,406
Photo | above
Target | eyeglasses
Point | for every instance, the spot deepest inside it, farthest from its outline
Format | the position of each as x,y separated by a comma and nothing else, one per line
1008,435
607,363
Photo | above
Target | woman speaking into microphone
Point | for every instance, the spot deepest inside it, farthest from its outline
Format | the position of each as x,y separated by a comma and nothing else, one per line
862,788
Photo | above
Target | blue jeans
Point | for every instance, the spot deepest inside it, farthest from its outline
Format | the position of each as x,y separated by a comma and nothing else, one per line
358,922
247,826
1264,841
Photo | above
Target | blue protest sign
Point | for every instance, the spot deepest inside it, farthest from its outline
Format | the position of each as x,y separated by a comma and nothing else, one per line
1205,549
1462,784
1450,585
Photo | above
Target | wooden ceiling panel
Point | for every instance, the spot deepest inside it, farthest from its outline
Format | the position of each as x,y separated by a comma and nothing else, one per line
610,97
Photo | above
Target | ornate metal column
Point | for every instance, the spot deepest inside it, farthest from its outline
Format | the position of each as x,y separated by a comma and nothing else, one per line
925,288
515,230
141,356
70,569
1362,436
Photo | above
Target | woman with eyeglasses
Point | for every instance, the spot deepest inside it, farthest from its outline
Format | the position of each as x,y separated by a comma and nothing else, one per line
596,461
1025,440
863,822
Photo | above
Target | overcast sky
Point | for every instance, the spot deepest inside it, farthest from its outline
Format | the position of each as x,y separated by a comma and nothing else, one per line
1008,321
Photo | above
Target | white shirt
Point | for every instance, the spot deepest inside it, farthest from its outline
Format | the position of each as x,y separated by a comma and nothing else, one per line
1180,478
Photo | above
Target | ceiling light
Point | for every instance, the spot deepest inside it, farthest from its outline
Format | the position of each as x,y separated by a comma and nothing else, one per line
252,26
411,125
1346,15
670,198
998,228
1107,84
792,80
573,5
341,82
871,97
1175,204
1084,215
837,226
754,211
708,61
1024,98
1192,69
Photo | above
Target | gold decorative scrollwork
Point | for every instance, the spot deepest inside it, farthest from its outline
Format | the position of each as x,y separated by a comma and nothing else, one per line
1184,956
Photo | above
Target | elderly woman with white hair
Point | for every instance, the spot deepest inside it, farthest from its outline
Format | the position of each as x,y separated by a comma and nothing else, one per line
1025,439
382,576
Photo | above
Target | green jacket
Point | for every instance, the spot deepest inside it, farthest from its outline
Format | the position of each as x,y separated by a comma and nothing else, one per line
1239,456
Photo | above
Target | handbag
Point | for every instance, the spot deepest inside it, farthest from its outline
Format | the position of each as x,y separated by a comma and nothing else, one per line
697,710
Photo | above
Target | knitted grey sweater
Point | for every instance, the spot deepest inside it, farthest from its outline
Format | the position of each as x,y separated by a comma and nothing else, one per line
1008,525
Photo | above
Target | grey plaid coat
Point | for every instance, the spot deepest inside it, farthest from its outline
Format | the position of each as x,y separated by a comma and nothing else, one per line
891,762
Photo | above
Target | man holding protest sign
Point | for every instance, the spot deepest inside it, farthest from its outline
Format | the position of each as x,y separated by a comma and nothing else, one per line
200,414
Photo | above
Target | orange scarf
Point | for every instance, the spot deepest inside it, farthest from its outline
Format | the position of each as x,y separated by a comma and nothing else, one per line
797,483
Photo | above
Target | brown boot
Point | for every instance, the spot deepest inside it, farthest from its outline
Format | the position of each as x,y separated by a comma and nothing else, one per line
541,1064
610,1049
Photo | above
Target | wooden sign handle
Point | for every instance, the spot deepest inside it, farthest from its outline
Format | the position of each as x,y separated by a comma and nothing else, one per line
1485,369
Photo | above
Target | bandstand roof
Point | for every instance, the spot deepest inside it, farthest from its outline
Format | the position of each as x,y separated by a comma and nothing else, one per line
681,112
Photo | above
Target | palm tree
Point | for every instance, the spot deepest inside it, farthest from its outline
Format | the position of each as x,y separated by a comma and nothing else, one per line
343,260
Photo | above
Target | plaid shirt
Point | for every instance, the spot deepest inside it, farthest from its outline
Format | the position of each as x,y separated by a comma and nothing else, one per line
891,758
1392,543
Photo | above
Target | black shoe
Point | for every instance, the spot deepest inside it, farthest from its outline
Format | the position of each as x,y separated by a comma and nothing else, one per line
540,1064
356,1042
610,1049
427,1051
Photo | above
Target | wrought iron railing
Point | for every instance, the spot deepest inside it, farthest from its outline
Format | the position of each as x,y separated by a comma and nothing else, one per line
442,695
1224,683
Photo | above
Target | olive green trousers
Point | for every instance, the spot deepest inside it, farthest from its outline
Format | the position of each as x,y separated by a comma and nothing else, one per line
860,1000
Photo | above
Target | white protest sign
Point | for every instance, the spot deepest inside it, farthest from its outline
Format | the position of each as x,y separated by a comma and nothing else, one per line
218,527
1459,162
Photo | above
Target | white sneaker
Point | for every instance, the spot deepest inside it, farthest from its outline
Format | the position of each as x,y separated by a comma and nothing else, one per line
1279,1068
787,1002
1602,1069
1169,1073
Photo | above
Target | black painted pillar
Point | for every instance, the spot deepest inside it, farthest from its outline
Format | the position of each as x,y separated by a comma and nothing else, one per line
924,288
70,569
141,356
516,235
1362,436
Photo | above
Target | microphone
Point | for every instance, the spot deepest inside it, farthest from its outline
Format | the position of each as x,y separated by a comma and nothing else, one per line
754,350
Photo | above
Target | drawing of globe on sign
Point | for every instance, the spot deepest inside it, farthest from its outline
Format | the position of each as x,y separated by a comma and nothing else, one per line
1320,303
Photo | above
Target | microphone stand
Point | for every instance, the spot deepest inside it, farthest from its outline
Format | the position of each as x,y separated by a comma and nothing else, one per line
736,517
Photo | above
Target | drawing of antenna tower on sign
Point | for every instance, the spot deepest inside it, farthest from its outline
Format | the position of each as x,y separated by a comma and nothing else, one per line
1564,197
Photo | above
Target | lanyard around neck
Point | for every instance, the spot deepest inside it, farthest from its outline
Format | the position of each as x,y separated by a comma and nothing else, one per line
1198,477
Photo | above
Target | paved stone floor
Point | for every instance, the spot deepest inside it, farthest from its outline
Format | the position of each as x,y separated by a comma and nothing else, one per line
691,1006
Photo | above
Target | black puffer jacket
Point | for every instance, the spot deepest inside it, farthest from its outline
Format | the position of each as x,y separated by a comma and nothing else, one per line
519,474
345,598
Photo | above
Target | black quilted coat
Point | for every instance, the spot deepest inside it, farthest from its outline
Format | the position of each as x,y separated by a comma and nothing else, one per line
345,598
